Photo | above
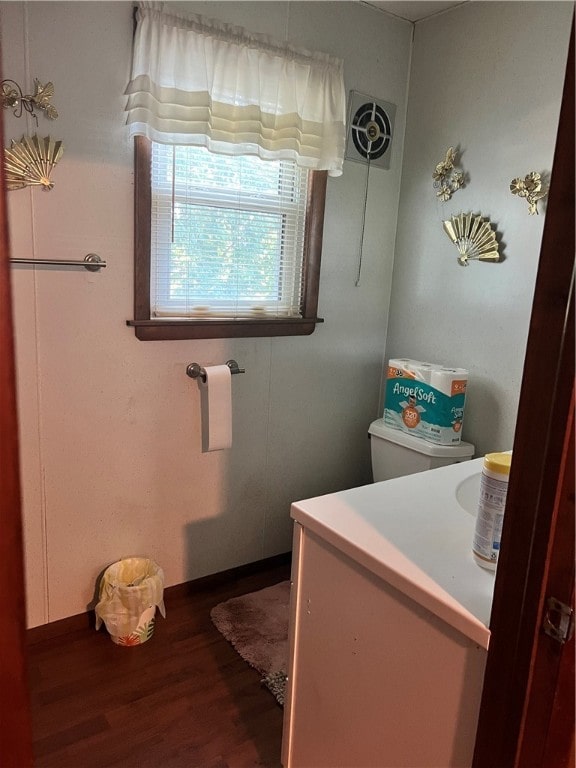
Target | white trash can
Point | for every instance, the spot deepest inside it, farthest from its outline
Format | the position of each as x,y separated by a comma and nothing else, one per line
130,591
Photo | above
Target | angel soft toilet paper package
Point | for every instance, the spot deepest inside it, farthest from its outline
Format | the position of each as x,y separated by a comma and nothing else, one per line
425,400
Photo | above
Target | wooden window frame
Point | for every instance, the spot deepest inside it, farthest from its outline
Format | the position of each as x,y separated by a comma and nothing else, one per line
157,329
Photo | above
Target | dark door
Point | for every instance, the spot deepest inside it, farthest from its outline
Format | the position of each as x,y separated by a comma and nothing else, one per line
527,710
535,516
15,731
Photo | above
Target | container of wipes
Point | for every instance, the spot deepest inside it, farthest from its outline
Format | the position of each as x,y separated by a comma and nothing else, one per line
491,505
426,400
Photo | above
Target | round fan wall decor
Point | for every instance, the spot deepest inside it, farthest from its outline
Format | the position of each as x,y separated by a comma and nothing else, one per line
370,130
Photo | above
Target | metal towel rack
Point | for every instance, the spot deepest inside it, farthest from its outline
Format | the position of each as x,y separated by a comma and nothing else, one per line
195,370
92,262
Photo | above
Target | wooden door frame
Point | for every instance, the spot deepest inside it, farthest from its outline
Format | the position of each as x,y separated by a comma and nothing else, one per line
533,483
539,453
15,725
547,730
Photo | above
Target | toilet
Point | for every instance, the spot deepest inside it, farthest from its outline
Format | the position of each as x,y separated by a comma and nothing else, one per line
395,453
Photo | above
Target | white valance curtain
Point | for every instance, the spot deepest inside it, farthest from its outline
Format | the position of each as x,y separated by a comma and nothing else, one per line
201,82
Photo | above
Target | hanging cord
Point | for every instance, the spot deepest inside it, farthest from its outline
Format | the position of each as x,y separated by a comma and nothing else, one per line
287,27
173,193
357,283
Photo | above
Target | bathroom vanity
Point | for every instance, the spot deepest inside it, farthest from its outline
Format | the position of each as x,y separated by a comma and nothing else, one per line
388,625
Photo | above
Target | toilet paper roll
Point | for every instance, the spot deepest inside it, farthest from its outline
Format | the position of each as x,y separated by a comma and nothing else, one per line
412,369
450,381
402,366
217,408
421,371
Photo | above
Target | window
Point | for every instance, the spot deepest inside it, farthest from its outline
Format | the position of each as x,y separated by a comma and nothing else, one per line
225,246
235,134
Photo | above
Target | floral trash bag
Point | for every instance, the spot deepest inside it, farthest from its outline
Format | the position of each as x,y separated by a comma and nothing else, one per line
130,591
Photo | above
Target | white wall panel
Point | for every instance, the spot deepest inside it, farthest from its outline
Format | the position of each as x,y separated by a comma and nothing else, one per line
486,77
112,424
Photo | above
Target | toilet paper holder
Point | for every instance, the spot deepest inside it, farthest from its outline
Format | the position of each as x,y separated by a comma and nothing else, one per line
195,370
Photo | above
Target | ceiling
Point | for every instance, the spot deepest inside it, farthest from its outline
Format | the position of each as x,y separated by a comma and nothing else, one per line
414,10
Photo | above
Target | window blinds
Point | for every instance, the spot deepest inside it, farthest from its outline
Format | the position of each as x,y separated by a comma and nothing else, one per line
227,234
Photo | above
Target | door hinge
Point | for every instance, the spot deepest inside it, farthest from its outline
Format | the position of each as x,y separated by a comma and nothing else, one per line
558,620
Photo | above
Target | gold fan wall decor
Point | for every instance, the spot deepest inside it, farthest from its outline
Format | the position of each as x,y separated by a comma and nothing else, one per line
30,161
474,238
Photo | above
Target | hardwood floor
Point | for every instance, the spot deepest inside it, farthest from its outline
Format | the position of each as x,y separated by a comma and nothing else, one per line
184,698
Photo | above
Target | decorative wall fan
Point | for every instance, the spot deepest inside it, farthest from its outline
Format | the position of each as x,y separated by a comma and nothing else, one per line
29,162
370,130
474,238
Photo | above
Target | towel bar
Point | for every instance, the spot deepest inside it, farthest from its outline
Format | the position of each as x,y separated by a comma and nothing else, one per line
92,262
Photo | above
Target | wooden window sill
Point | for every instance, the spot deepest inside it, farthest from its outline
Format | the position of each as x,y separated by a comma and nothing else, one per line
167,330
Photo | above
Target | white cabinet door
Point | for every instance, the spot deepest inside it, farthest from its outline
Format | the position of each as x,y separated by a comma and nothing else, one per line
374,679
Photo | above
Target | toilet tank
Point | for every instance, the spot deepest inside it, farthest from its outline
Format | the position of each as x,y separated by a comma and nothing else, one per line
394,453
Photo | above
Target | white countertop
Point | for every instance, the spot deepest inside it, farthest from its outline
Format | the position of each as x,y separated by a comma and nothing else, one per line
413,533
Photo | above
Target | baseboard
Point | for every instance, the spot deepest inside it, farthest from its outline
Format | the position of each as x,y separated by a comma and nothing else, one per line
86,620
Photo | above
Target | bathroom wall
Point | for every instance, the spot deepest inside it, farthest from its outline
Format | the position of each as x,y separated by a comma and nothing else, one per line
487,77
110,426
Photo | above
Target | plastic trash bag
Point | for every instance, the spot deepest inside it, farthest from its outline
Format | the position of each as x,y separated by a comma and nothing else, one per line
130,591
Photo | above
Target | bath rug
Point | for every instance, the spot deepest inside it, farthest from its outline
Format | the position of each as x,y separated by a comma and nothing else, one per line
276,684
256,625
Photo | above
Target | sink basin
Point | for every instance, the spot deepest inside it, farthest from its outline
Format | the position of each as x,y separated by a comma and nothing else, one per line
468,493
